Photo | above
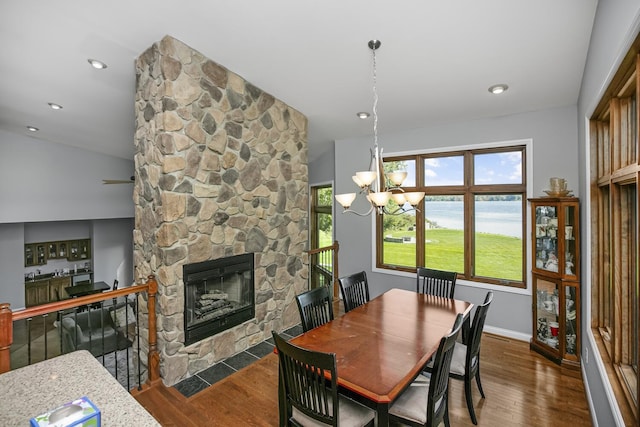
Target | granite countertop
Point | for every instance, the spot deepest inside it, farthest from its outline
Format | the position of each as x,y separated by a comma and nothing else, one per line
38,278
43,386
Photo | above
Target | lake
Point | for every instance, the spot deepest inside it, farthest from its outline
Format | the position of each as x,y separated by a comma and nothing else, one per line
496,217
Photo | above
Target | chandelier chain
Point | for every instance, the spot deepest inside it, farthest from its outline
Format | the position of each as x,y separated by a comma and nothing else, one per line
375,101
373,182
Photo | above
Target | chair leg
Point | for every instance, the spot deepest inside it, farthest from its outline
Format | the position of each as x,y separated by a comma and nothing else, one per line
446,412
478,381
469,398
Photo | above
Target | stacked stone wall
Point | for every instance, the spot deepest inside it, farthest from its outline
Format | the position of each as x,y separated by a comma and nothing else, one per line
221,169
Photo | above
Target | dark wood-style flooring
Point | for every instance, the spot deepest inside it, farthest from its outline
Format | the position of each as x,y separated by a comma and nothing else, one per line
522,388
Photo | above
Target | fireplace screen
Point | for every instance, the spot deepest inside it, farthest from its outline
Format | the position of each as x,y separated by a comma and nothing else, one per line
219,295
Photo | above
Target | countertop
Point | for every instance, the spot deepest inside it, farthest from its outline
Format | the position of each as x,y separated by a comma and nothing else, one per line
38,278
43,386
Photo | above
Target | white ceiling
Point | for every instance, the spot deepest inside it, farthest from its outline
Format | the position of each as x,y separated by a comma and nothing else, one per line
436,61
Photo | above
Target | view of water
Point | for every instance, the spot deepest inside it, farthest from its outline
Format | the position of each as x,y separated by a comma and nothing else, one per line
497,217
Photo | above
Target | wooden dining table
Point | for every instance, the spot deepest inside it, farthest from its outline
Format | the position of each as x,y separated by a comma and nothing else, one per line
383,345
87,289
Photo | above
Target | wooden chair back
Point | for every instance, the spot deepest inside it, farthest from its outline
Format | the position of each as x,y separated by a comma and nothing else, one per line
307,383
475,335
439,384
315,307
355,290
436,282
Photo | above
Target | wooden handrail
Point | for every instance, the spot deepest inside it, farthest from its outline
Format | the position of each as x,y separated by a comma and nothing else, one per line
7,317
38,310
335,247
6,337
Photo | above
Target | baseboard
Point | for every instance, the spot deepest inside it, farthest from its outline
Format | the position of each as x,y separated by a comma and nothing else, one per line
507,333
587,392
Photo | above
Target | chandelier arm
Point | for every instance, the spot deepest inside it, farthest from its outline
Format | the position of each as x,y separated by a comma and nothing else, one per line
349,210
400,210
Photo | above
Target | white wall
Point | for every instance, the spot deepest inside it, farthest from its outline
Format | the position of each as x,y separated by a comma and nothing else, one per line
554,135
616,25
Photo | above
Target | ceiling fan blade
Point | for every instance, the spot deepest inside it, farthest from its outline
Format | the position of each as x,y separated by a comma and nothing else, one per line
115,181
118,181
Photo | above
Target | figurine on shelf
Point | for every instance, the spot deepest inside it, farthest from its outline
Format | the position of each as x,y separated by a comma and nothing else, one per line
568,265
571,343
568,269
543,328
552,262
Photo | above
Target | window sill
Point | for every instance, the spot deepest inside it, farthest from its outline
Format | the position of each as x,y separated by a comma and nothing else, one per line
619,388
461,282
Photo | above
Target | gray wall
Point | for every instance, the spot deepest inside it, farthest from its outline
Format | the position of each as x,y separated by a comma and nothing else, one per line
43,181
616,25
321,170
113,245
554,147
55,192
11,264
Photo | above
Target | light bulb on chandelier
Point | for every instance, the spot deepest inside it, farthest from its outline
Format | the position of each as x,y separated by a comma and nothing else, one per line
377,187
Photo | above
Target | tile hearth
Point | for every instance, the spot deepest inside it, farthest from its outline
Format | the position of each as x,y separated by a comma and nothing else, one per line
203,379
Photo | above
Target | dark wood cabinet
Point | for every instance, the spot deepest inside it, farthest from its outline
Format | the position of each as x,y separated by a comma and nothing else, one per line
36,293
71,250
41,254
57,287
46,290
29,255
52,250
79,249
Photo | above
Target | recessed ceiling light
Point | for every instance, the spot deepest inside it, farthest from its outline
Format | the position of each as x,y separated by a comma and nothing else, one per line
499,88
55,106
32,128
97,64
363,115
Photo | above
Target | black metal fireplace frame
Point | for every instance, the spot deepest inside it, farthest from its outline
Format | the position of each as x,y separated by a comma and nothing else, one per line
195,272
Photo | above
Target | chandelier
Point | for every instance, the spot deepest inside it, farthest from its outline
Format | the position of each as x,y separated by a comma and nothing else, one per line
377,187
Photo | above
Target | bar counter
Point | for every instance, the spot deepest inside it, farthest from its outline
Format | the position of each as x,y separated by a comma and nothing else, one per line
43,386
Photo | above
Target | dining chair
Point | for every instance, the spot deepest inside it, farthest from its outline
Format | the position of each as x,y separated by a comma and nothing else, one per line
315,307
308,389
465,364
354,289
425,402
436,282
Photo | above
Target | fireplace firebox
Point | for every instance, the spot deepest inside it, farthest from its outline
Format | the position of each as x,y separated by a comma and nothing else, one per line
218,295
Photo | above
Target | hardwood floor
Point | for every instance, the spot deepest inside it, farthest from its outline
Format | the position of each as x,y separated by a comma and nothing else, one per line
522,388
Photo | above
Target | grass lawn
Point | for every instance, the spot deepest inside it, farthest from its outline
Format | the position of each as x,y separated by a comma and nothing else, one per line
326,239
496,255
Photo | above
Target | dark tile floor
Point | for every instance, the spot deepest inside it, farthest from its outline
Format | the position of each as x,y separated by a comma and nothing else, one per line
203,379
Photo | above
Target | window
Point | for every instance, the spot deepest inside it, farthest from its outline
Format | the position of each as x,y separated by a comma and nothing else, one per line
322,250
321,216
615,173
472,219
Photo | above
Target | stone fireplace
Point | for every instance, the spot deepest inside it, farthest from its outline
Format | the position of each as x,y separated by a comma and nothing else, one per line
221,171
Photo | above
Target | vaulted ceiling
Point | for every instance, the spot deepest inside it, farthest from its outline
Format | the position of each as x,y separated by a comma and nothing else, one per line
437,60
